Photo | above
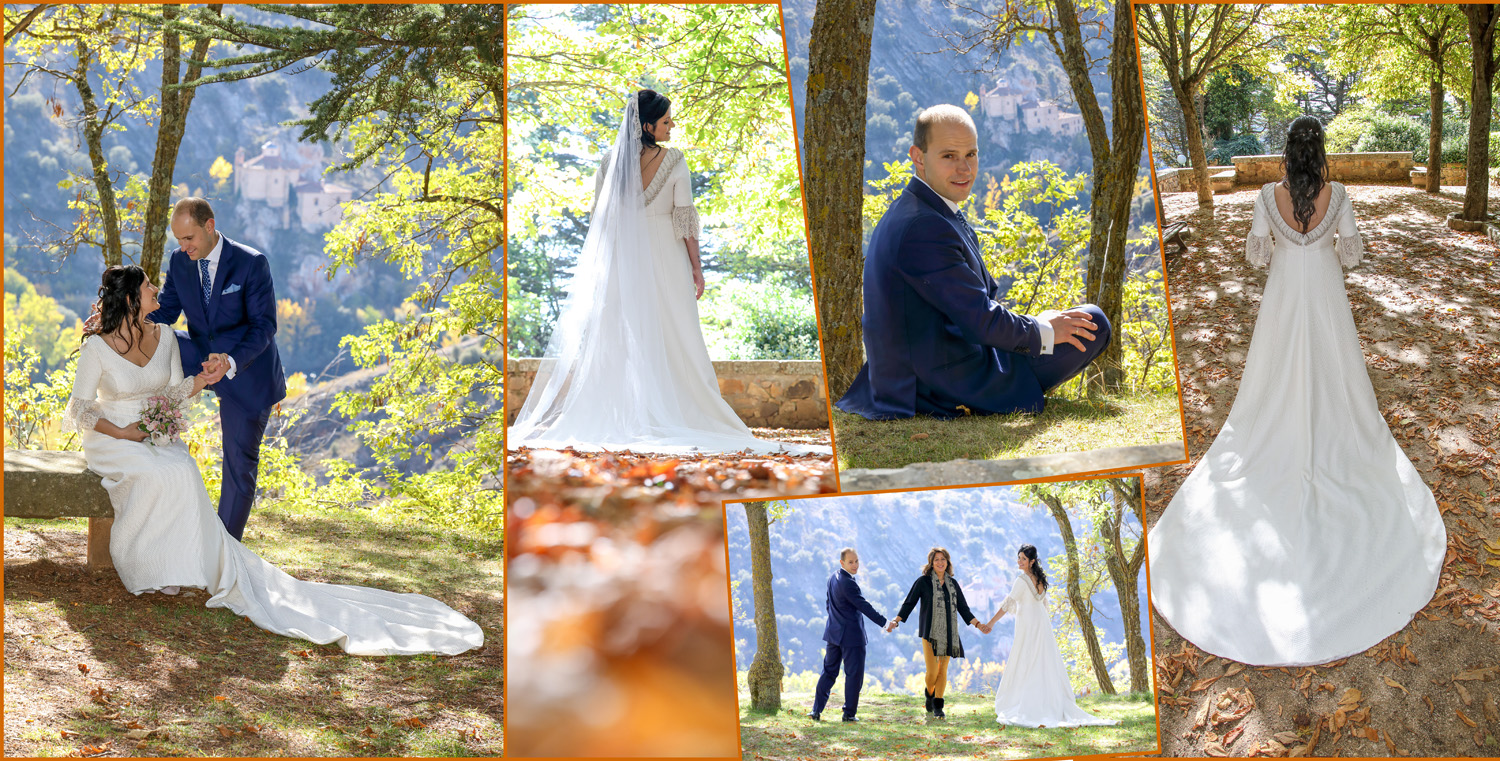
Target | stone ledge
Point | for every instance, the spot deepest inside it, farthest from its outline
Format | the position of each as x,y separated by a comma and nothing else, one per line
44,484
970,472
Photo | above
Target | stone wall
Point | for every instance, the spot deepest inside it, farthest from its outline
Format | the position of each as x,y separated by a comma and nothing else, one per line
764,393
1349,168
1182,180
1342,167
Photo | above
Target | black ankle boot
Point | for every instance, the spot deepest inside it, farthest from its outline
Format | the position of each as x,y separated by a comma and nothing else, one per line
928,694
937,708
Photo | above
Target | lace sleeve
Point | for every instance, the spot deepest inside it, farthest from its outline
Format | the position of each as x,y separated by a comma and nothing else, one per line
1258,243
1009,603
83,411
685,221
1350,246
179,389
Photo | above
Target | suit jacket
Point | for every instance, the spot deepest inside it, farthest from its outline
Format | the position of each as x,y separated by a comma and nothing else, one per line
845,606
240,320
935,333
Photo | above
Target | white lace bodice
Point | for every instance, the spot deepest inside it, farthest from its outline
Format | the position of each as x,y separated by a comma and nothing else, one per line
1023,597
112,387
670,192
1267,228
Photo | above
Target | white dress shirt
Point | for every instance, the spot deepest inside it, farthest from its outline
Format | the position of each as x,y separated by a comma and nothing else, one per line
1042,324
213,273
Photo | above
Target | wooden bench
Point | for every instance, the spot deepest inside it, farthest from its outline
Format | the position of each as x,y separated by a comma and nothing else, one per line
60,485
1174,239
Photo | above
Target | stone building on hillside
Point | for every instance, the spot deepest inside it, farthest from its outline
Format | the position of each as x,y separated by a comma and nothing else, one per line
291,183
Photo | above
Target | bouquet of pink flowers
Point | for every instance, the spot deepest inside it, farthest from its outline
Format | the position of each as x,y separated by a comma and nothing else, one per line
162,421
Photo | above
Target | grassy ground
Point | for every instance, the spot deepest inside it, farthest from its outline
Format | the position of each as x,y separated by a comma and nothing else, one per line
895,726
1065,426
1424,304
92,670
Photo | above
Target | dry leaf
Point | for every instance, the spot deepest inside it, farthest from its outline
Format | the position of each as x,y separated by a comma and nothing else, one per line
919,436
1215,749
1287,738
1463,693
1396,684
1464,719
1351,697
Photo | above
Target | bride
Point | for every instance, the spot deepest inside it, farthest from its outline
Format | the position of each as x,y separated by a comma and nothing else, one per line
627,367
167,535
1304,535
1034,689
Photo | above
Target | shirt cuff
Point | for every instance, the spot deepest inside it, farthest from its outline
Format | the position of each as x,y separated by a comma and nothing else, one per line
233,368
1045,328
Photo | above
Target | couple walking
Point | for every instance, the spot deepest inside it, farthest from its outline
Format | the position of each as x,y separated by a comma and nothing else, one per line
1034,690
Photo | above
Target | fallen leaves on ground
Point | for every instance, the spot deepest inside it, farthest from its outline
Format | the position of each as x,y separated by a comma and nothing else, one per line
618,598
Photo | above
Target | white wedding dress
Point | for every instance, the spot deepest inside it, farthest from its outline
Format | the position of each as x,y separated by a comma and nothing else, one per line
627,367
1034,689
166,533
1304,535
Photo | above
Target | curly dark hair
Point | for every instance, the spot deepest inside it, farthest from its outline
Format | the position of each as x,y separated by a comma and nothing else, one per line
1036,565
119,303
652,106
1306,166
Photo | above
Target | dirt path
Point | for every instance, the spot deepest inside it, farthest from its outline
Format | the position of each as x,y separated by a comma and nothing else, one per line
1427,304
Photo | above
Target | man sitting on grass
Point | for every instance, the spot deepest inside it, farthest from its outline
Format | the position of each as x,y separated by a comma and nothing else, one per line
936,336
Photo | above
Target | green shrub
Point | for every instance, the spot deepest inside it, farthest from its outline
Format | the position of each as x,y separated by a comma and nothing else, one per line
760,320
1239,145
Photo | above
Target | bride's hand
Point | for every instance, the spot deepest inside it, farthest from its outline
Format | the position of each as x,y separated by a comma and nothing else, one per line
698,282
129,433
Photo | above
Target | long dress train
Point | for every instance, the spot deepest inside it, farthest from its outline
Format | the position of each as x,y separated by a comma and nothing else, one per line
1034,690
627,366
1304,535
166,532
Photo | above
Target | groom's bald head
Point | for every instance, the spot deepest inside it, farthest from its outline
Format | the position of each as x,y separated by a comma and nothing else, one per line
921,135
945,151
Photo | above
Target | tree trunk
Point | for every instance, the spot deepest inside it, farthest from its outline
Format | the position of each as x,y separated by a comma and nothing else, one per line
837,80
765,669
1114,168
1124,163
1124,572
1188,100
93,137
1075,595
1435,136
171,126
1482,44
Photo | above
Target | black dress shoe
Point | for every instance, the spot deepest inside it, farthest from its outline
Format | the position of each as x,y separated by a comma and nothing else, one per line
815,716
851,718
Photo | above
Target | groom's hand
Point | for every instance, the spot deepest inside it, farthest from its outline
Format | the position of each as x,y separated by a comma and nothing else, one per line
1069,326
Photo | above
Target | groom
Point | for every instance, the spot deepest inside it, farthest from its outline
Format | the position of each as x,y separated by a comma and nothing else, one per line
225,290
845,637
936,336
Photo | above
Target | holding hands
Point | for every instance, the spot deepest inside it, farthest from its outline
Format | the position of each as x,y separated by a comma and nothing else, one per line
214,369
890,627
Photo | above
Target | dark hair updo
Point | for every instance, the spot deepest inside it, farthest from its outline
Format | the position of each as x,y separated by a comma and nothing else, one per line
1036,566
1306,166
119,303
652,106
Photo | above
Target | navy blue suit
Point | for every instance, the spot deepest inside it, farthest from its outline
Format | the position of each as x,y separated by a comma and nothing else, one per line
239,320
935,333
845,638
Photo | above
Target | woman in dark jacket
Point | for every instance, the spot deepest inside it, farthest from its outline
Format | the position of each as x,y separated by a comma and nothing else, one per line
943,612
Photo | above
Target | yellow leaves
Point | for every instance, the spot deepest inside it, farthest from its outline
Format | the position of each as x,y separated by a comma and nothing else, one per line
1393,683
1351,697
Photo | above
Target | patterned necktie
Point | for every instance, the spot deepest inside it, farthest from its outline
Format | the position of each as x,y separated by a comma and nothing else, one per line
208,285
